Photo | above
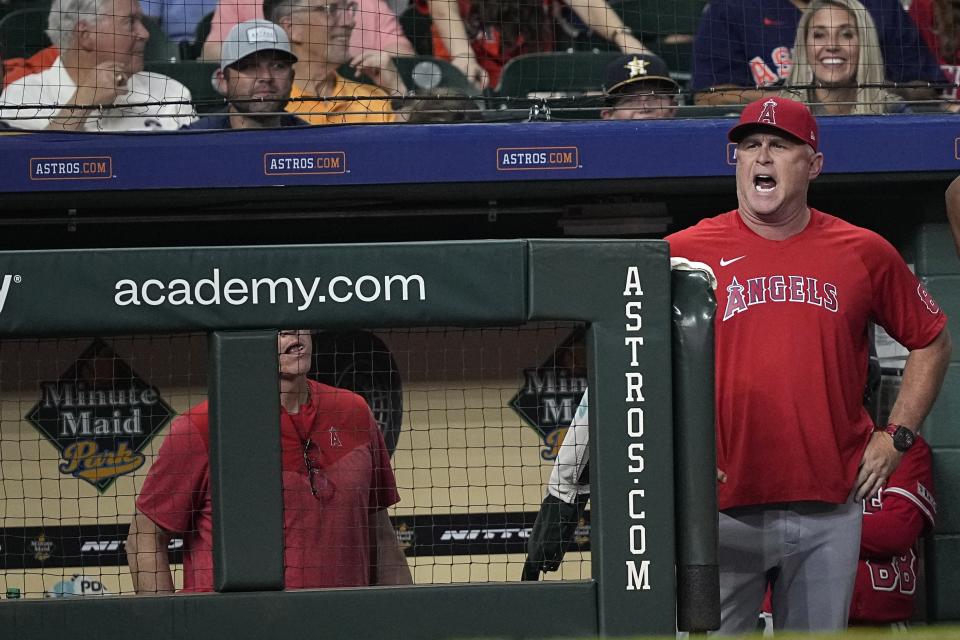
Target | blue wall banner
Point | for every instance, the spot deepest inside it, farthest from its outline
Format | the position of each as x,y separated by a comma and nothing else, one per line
404,154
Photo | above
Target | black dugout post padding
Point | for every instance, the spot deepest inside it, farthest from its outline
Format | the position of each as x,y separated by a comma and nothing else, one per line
698,576
245,480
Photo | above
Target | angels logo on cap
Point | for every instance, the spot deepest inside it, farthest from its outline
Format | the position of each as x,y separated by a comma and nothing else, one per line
769,114
782,114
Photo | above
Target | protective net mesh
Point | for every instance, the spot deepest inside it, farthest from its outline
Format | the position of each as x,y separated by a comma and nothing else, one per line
79,64
473,419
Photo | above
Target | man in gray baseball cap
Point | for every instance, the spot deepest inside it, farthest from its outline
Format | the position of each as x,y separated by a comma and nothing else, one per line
255,75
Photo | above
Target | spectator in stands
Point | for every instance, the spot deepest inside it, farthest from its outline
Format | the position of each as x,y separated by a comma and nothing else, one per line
101,46
376,38
837,57
337,485
255,75
439,106
320,34
639,87
939,24
179,18
480,36
742,49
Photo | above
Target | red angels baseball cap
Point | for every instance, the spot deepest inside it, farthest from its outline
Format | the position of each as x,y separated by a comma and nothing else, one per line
785,115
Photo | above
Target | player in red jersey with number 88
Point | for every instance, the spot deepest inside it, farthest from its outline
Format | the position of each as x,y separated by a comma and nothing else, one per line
893,520
796,451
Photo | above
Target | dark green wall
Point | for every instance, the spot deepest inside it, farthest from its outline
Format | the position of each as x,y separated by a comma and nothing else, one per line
936,261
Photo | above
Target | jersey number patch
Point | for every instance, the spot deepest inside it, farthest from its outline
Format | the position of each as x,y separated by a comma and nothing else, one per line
900,573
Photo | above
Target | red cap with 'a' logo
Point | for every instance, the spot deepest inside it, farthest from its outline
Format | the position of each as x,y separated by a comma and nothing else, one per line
789,116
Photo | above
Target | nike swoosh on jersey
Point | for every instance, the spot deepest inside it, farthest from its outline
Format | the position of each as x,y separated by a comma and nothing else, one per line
724,263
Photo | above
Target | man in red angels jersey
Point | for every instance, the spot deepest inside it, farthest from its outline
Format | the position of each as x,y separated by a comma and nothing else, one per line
337,485
796,451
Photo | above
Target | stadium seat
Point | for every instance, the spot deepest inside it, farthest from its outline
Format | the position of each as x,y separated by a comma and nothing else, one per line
554,74
193,50
159,48
22,32
196,76
423,73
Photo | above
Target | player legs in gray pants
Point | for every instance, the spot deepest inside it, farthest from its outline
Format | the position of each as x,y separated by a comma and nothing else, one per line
808,550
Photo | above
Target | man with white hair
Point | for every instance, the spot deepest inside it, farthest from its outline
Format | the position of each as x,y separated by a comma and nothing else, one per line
98,82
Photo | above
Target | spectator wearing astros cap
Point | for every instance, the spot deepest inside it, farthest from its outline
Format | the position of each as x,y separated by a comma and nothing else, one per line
255,75
796,451
639,87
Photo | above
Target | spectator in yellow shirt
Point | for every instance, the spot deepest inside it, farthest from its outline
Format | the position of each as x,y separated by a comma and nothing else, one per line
320,34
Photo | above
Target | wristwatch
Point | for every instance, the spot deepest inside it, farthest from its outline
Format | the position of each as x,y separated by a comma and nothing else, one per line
903,438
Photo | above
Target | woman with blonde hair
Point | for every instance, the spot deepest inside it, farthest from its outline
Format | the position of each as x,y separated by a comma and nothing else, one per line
837,62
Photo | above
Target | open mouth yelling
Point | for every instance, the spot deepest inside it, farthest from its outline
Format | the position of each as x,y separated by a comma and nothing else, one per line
764,183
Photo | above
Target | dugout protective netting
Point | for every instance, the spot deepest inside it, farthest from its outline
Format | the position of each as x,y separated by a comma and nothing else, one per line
375,61
473,418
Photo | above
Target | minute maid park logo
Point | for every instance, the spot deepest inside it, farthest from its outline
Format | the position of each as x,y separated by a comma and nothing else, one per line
99,415
551,392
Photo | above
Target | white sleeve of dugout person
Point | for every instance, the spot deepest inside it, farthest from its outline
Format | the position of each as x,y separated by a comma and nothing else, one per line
573,456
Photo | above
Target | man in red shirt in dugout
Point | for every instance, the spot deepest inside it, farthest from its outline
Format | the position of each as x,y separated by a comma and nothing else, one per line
337,486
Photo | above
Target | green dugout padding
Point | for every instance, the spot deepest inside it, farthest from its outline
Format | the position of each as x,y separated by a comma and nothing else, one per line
941,428
933,252
943,580
693,307
946,291
621,289
935,259
947,464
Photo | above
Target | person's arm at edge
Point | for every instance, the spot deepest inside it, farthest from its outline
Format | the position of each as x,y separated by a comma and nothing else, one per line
147,556
391,566
953,211
916,91
450,29
922,377
729,94
603,20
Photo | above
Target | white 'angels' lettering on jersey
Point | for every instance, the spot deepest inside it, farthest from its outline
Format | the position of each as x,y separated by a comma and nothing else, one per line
779,288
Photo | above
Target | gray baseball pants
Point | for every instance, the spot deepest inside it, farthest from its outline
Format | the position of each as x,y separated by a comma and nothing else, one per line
807,550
